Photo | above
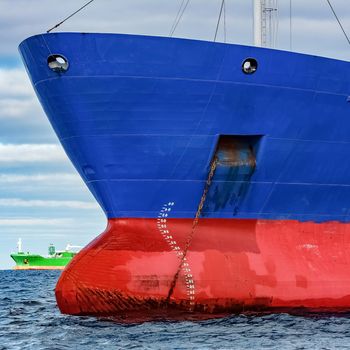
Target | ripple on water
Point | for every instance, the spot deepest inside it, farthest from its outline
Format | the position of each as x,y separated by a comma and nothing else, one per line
29,319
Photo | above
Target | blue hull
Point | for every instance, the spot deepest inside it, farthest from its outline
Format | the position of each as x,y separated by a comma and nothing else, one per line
141,117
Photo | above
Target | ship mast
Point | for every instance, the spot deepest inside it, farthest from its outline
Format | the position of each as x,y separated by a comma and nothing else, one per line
265,22
19,245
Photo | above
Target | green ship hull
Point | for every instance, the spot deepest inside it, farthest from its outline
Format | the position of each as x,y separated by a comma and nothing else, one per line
27,261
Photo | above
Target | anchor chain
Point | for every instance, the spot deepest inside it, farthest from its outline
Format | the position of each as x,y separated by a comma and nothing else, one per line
213,166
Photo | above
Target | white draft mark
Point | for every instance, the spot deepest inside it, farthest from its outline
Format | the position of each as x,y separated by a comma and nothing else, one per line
162,225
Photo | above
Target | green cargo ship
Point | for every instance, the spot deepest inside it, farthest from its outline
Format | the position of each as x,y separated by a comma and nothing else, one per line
56,260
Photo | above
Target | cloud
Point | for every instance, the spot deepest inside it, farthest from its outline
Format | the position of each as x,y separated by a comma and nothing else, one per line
35,222
16,108
63,178
68,189
21,116
15,83
27,153
17,98
16,202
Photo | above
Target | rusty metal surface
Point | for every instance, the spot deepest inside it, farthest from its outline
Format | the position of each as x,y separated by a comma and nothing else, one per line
235,151
236,165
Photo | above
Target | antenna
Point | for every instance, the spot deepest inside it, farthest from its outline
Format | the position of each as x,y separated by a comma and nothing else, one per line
265,22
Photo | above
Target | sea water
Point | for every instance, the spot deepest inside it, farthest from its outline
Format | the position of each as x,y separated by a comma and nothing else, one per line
30,319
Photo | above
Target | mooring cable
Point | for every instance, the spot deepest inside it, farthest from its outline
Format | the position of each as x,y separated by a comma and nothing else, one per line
179,18
219,20
70,16
339,22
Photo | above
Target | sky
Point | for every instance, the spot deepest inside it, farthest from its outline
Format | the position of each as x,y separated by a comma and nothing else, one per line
42,199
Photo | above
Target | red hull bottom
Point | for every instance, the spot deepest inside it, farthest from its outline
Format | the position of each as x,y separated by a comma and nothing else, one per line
232,266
